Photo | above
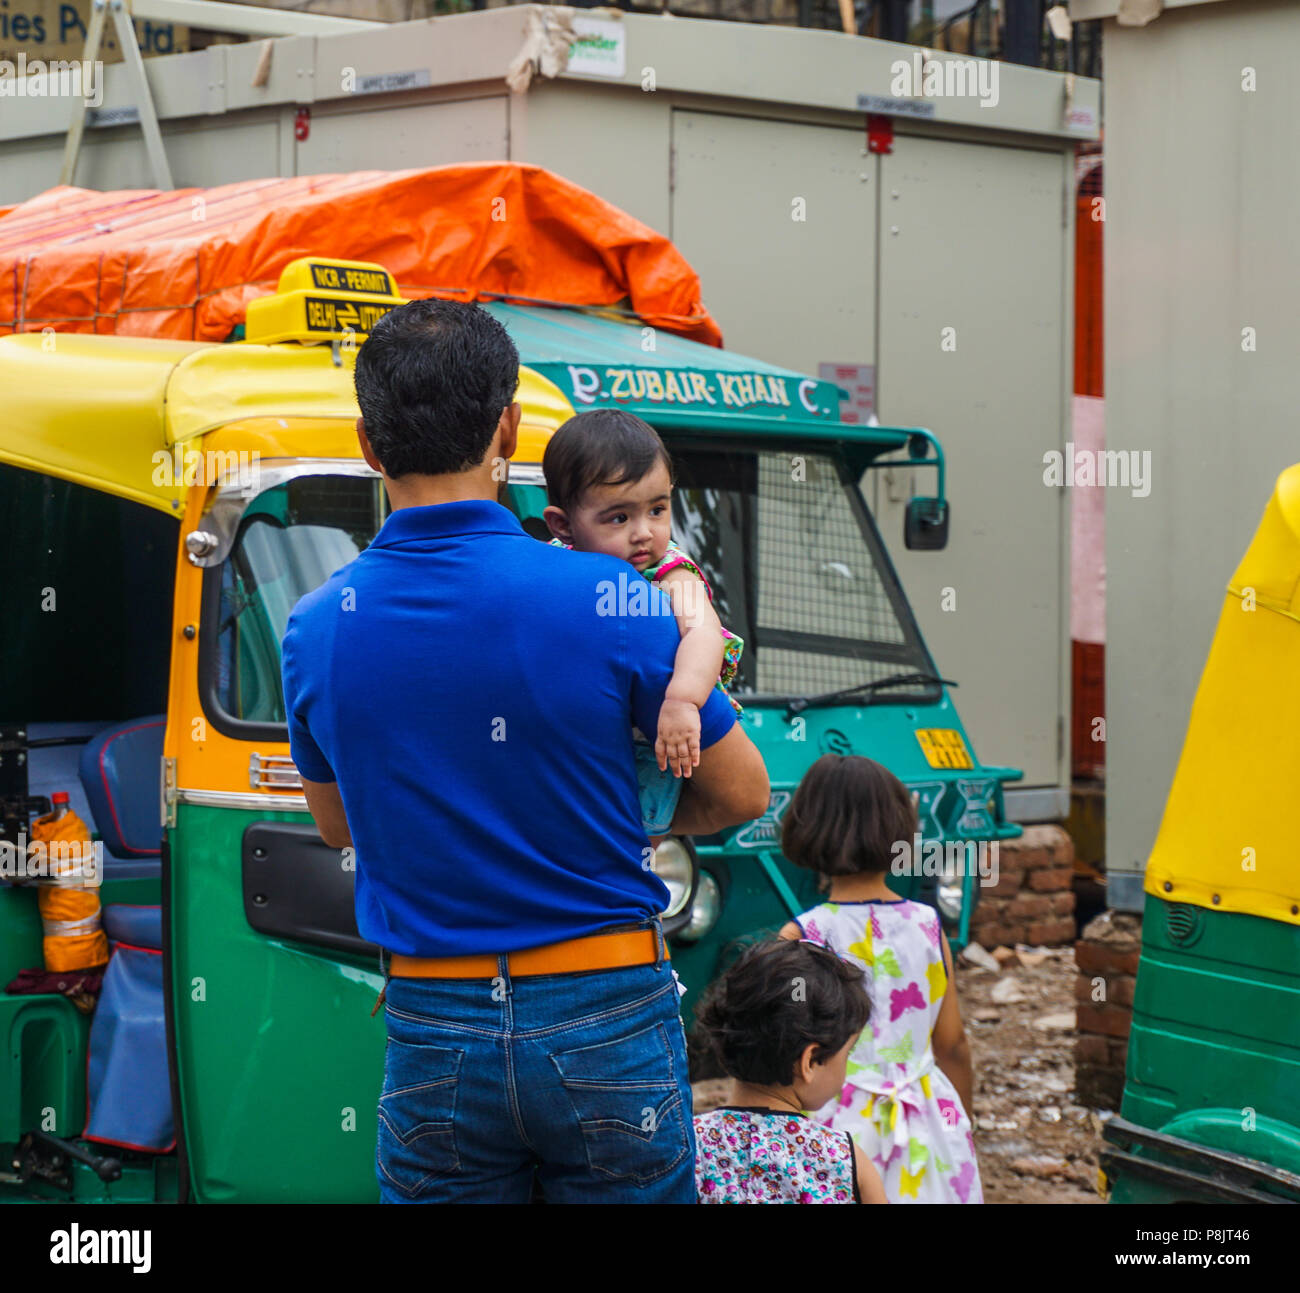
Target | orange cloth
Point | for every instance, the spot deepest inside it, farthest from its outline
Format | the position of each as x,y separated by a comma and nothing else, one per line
185,264
70,910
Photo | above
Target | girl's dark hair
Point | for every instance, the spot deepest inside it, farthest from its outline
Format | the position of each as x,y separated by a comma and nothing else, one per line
779,997
600,447
847,816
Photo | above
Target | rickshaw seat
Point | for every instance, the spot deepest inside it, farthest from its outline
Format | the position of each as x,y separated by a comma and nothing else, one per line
137,926
120,772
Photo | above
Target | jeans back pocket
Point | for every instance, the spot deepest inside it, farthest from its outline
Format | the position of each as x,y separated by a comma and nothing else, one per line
417,1116
627,1098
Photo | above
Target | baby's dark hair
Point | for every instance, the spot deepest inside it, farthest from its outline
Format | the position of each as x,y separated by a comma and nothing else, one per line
779,997
600,447
847,816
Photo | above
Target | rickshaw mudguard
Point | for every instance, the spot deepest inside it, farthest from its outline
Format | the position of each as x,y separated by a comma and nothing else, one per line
1183,1163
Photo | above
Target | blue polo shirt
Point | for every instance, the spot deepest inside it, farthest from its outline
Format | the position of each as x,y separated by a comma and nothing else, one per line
473,692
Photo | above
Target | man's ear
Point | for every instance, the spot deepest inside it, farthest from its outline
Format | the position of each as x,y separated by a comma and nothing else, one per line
557,521
366,451
508,430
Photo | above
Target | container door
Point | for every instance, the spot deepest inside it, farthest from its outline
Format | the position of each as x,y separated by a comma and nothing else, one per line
974,344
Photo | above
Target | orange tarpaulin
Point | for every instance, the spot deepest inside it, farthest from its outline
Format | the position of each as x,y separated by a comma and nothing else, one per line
185,263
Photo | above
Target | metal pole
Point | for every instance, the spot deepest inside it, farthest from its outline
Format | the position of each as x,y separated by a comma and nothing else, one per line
162,175
72,145
893,20
1023,32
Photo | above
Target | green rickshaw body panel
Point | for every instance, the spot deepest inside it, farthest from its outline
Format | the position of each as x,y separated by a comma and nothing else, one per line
1214,1052
280,1060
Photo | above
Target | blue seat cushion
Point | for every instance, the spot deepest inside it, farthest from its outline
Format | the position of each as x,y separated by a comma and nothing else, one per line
120,772
137,925
128,1095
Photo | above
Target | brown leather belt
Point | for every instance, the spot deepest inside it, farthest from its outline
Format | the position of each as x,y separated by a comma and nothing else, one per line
573,956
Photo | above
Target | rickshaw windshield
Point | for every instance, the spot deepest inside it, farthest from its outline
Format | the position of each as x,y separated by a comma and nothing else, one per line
290,540
797,569
789,548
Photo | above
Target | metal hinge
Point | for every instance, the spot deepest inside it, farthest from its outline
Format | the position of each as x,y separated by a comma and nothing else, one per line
168,792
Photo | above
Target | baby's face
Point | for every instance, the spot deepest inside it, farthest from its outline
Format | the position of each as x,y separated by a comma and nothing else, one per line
631,521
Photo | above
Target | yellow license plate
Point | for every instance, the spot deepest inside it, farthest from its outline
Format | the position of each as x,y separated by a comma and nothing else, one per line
944,748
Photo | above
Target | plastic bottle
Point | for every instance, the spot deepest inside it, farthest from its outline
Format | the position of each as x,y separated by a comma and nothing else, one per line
67,898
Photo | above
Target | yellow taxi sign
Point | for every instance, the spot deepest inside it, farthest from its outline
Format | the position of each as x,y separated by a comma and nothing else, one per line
944,748
322,300
356,277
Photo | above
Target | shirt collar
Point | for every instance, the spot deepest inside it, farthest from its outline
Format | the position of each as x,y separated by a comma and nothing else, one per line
444,521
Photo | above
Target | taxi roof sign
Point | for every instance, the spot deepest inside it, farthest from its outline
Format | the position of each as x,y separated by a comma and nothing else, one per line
314,273
322,300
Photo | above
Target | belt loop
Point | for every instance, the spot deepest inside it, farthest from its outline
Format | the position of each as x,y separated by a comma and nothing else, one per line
383,992
503,976
659,945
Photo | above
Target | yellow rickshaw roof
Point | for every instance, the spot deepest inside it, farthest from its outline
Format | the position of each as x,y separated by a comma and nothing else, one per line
108,412
1227,838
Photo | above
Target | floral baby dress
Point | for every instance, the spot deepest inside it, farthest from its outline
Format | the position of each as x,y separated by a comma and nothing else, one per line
896,1103
763,1156
732,644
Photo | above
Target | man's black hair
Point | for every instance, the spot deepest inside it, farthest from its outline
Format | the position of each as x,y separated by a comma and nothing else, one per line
600,447
432,380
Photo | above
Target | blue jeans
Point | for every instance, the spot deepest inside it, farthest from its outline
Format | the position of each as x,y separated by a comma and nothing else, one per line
579,1079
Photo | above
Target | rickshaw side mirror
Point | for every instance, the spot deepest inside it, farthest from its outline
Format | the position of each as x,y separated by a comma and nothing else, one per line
925,524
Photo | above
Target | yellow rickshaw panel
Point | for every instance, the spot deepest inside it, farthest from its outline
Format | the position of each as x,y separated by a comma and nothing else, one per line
1227,839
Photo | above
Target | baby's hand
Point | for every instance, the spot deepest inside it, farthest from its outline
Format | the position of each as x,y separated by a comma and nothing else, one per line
678,743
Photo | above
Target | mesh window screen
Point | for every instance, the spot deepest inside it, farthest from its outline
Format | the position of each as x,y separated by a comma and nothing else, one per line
794,571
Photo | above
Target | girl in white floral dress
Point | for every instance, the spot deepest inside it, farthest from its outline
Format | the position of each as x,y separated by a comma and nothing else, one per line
907,1093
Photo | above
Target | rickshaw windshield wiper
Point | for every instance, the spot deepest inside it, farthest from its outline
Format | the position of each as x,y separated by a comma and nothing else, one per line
800,703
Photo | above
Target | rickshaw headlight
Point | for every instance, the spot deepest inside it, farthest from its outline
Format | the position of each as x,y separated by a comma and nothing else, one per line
705,910
674,866
948,892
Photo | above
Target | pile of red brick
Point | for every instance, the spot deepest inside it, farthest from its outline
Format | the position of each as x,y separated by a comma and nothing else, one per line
1107,960
1032,901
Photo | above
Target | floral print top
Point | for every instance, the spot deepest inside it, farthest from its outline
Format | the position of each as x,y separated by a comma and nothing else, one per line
763,1156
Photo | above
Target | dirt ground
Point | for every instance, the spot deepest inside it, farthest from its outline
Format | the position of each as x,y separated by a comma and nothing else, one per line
1035,1143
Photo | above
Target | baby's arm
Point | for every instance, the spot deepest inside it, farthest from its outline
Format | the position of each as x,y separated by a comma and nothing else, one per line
951,1049
695,671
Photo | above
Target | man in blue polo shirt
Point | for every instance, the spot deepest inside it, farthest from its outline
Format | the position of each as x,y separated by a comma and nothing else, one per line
461,714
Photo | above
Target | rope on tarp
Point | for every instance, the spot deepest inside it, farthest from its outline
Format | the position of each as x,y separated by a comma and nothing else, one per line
26,322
